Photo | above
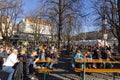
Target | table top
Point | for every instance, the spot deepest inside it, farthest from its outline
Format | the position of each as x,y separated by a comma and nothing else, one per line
45,61
96,61
116,56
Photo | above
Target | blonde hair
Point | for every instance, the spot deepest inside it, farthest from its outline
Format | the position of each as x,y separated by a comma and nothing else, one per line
22,52
78,51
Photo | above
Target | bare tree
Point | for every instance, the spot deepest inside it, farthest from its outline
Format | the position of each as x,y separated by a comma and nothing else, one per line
59,12
111,9
10,11
37,15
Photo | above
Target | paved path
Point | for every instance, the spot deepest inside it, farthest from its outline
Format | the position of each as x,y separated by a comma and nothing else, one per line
63,71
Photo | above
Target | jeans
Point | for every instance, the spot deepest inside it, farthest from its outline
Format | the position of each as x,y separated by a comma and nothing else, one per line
10,70
73,65
51,65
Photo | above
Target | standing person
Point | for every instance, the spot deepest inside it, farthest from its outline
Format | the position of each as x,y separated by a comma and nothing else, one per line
31,60
10,62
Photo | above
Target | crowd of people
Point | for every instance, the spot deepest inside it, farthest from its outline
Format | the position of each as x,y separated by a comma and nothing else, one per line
92,52
12,56
26,57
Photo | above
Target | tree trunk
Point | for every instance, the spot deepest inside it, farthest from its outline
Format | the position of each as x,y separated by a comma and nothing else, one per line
68,44
119,46
118,5
60,23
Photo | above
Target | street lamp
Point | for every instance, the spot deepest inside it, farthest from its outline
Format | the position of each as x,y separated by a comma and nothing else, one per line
105,35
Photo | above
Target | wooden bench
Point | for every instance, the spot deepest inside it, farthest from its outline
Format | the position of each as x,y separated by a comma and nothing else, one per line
44,70
98,71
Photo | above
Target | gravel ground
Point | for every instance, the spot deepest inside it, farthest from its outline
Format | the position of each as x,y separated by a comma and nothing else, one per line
63,71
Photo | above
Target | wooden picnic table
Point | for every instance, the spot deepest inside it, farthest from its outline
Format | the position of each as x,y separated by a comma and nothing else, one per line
85,60
46,61
45,70
95,61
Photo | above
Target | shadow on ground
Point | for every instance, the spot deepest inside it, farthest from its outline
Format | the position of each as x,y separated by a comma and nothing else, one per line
61,71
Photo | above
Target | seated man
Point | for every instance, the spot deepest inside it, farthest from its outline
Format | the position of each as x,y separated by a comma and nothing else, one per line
10,62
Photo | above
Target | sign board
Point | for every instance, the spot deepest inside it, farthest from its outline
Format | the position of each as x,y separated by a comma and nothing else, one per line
105,36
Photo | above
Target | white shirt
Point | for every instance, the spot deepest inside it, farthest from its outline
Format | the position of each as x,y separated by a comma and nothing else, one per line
11,60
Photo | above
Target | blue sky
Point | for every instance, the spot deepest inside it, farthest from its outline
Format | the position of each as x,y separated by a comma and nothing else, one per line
30,5
88,24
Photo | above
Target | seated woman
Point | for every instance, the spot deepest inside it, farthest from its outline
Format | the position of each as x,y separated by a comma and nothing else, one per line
42,57
78,55
51,55
42,54
96,55
109,57
89,56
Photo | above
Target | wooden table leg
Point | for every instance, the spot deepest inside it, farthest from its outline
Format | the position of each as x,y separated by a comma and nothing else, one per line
114,76
44,75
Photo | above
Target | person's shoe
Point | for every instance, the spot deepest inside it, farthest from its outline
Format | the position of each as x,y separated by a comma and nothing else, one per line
94,67
32,78
50,68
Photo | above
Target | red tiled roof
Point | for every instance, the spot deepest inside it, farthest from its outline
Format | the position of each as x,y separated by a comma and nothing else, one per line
38,21
3,19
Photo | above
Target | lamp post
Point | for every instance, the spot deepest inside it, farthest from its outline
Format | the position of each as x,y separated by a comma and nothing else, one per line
105,35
